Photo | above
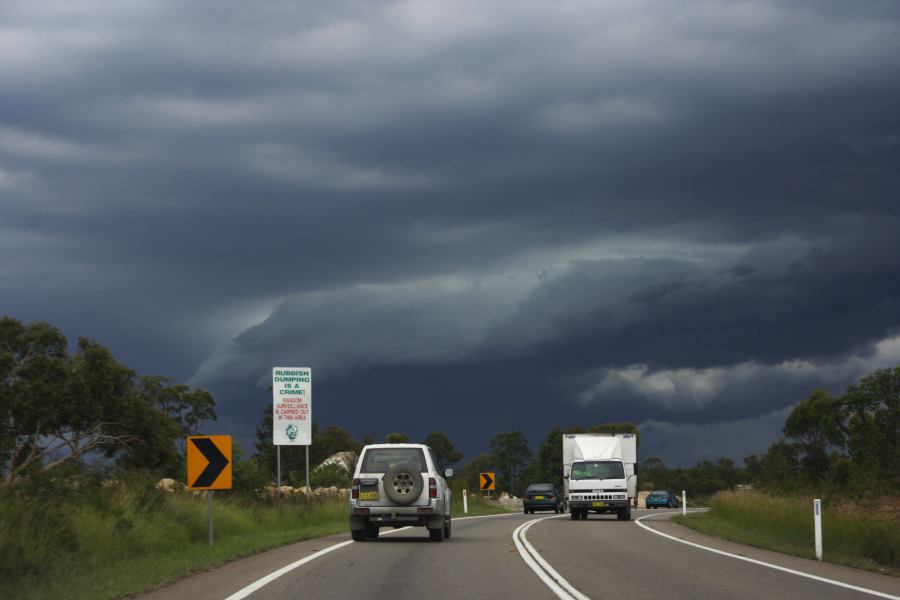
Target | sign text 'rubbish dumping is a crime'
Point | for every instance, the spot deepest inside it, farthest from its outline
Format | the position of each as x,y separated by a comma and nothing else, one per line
292,406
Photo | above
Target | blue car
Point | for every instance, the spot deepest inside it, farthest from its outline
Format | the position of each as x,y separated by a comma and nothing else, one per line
662,499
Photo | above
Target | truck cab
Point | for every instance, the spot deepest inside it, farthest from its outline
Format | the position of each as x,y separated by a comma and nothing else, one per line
600,473
598,486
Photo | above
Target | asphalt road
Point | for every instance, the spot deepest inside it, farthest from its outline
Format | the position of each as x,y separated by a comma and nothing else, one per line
599,558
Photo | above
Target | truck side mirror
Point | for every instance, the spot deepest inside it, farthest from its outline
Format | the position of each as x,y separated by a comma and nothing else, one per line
635,468
448,472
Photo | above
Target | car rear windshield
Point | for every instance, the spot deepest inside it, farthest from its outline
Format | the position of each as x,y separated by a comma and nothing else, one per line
659,494
379,460
599,469
539,488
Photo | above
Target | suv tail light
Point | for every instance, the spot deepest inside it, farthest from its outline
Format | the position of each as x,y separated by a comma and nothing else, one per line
354,491
432,487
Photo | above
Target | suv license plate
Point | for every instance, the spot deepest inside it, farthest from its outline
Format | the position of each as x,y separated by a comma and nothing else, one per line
538,497
368,495
599,504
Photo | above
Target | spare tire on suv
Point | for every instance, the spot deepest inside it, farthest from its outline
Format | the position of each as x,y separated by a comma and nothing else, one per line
403,484
388,490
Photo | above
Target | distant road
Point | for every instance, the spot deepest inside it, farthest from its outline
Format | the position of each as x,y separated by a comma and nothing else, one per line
599,558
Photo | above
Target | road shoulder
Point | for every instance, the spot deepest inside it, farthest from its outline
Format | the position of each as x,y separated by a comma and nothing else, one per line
866,579
223,581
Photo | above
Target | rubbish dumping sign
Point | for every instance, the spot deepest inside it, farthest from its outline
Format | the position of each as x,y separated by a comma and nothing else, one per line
292,406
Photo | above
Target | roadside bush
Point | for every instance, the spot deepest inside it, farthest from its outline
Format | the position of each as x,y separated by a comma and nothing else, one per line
330,475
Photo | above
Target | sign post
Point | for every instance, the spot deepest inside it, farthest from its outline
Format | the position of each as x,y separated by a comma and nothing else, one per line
292,411
683,502
465,502
209,514
209,468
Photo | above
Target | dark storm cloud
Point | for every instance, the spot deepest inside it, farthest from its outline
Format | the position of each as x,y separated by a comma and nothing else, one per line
665,205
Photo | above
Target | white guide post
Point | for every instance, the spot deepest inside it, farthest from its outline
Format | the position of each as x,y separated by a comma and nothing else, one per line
465,502
683,502
817,516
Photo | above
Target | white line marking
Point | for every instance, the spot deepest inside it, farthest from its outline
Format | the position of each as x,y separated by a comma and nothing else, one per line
765,564
244,592
557,584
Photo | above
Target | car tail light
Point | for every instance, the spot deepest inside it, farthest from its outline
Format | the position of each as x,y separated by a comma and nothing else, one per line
354,491
551,497
432,487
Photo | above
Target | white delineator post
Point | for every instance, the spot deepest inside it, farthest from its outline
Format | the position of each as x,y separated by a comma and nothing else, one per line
683,502
817,516
465,502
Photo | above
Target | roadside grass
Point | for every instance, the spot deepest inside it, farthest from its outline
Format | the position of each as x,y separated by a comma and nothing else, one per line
132,538
85,540
853,535
478,505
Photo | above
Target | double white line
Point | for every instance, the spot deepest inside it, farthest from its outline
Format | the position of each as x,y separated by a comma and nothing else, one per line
557,584
565,591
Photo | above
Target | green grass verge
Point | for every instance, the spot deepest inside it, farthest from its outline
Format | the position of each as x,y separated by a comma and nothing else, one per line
93,542
478,505
852,535
123,541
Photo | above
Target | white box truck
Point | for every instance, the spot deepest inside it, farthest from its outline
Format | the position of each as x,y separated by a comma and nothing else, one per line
600,473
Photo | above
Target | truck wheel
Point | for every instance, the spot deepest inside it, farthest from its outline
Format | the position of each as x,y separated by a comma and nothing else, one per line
624,514
372,532
358,535
574,515
584,514
447,528
403,484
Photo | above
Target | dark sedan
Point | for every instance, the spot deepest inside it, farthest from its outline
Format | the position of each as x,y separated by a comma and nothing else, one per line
542,496
662,499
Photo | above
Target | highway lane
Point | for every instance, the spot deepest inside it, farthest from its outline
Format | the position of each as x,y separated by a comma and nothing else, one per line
478,561
601,557
603,554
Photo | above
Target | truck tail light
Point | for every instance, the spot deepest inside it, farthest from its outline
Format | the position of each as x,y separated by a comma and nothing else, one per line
354,491
432,487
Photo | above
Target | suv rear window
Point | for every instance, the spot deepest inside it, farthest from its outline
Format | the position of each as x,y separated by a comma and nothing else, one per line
379,460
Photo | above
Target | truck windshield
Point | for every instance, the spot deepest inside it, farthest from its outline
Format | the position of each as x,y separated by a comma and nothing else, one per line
600,469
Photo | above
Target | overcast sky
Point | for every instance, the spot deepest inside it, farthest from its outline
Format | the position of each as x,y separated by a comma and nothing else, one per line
465,216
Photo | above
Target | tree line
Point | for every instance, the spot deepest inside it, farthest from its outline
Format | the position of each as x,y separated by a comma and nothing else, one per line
59,406
848,441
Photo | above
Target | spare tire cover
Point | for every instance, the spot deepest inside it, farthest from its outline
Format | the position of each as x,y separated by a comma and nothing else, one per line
403,484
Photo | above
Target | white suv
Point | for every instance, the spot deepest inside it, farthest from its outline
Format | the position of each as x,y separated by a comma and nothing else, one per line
398,485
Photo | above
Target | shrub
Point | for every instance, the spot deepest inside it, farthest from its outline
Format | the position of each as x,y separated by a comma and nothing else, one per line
330,475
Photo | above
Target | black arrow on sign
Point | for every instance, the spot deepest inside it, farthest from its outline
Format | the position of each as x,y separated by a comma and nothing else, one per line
487,483
217,462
